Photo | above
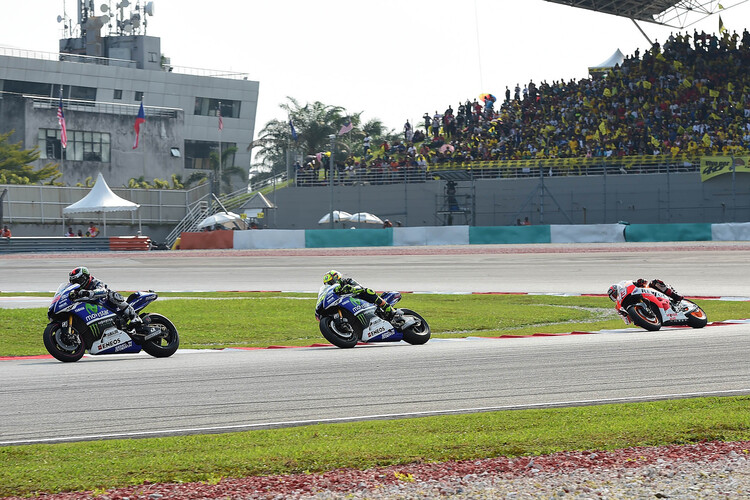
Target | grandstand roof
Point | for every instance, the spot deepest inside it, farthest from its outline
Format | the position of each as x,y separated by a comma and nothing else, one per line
675,13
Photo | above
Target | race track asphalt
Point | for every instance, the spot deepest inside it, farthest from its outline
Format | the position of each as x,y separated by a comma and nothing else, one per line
42,400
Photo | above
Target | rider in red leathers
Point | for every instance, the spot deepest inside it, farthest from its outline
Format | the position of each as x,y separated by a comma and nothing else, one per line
614,291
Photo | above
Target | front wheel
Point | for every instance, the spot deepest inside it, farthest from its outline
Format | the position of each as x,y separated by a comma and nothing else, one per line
644,316
63,344
166,342
696,318
419,332
338,333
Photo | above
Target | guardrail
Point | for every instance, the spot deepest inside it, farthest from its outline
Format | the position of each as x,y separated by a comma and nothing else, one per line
74,244
501,169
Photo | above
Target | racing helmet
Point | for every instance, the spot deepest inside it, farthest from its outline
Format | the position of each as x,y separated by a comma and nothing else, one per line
331,277
80,276
613,292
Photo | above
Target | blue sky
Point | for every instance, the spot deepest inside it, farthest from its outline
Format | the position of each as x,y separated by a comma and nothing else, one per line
393,60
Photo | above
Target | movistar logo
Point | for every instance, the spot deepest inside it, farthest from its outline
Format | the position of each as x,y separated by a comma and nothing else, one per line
91,308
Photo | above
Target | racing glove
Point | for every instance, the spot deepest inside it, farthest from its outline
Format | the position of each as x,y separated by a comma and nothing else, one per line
624,314
640,283
659,285
83,294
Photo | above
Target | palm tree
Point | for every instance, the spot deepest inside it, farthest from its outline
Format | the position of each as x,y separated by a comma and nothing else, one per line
314,123
226,172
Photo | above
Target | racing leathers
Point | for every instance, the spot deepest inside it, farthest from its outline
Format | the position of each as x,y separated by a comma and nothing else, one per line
96,290
660,286
348,285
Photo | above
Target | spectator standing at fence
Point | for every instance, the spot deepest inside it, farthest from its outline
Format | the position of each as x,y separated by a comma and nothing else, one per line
93,230
408,133
366,145
5,233
435,125
70,233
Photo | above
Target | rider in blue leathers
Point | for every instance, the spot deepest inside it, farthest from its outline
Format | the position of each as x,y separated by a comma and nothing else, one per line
94,289
348,285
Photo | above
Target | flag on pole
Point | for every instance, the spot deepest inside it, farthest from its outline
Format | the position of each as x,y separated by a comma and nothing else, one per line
294,132
722,28
61,121
221,120
347,126
141,118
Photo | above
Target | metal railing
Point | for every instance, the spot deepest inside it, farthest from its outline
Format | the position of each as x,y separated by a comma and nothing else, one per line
500,169
207,206
63,56
102,107
45,204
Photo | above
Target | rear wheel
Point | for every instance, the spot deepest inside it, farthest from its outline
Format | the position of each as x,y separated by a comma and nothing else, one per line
418,333
63,344
697,318
643,315
166,342
341,334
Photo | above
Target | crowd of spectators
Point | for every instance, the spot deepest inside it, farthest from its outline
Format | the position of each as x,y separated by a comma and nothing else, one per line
689,96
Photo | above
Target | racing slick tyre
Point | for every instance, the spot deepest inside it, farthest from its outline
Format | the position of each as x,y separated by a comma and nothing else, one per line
418,333
166,342
697,318
644,316
343,335
63,345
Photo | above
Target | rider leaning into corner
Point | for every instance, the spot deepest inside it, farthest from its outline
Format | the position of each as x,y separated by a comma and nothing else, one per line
348,285
614,291
94,289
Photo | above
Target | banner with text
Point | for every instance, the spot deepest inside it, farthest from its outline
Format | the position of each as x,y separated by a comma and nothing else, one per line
711,166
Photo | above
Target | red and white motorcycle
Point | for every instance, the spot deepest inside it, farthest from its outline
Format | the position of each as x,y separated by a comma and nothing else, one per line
652,309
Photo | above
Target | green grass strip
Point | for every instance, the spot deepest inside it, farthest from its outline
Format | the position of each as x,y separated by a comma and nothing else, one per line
220,320
33,469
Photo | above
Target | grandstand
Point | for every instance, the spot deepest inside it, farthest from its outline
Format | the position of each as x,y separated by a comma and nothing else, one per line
637,132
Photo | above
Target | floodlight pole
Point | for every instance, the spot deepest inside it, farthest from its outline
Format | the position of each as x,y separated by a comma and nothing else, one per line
332,137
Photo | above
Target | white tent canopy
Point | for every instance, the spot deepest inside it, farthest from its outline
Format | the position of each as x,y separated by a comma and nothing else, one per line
101,199
614,59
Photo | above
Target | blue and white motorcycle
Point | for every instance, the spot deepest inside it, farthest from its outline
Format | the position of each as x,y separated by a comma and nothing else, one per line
346,320
77,326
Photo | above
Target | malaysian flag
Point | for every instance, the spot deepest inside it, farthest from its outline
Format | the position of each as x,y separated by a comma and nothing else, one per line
61,121
348,126
141,118
221,120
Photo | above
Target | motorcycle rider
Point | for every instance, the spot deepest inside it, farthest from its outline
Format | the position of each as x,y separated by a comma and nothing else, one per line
348,285
656,284
94,289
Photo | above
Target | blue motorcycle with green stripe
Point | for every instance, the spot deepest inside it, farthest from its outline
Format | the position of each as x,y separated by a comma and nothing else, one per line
345,320
77,326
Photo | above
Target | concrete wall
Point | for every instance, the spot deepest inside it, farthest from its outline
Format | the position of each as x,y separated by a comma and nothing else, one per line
635,198
160,88
152,159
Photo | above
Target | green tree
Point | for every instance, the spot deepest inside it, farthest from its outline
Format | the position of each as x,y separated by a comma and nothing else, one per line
227,172
314,123
15,165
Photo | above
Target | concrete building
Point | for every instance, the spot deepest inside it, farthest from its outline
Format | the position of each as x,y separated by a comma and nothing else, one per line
103,81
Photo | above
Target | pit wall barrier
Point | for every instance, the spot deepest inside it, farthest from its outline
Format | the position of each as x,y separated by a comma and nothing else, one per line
469,235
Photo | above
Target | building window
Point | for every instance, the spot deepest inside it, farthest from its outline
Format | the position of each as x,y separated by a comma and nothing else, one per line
205,106
118,94
138,95
198,153
82,145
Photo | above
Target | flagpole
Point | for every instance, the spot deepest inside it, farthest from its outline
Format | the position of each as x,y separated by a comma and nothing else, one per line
221,127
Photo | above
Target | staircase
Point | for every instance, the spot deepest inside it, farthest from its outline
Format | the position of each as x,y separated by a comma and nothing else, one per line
206,207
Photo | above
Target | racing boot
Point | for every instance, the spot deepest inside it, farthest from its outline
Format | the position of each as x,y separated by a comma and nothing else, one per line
136,323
